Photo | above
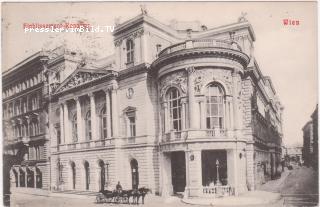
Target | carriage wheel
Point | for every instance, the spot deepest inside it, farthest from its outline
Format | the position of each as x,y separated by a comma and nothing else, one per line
99,199
108,200
125,199
117,199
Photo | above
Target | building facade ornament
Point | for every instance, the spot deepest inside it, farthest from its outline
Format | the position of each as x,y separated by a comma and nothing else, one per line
136,34
79,79
178,79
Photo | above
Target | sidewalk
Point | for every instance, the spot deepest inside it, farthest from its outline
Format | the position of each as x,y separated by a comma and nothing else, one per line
268,194
275,185
248,199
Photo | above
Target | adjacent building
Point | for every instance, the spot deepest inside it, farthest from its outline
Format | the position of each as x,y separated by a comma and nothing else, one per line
310,141
178,108
26,124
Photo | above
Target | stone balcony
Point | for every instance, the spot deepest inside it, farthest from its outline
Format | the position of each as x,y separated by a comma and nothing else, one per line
202,48
190,134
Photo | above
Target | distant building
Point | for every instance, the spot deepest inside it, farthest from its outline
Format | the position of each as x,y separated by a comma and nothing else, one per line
181,108
295,153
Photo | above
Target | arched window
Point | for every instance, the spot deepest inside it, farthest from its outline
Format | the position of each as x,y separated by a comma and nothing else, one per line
87,174
214,105
174,104
73,171
130,51
74,129
102,174
134,173
103,122
88,126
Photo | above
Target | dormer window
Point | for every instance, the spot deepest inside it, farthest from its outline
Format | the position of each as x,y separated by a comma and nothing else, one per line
130,51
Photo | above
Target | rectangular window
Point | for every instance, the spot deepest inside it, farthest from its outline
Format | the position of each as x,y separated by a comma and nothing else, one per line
59,136
132,122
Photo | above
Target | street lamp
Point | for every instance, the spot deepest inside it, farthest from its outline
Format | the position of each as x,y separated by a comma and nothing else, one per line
218,180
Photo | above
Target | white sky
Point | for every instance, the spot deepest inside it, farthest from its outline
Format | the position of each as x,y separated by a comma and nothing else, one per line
286,53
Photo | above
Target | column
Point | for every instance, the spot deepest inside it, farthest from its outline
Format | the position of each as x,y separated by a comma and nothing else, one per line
115,116
236,106
93,117
195,173
79,120
35,177
67,129
108,113
166,118
167,188
183,114
26,177
202,114
186,190
61,125
191,98
18,172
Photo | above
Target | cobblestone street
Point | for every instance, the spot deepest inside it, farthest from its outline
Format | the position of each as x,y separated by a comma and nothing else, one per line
297,187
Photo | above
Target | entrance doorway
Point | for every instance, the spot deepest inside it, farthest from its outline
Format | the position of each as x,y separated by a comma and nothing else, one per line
134,173
178,170
214,167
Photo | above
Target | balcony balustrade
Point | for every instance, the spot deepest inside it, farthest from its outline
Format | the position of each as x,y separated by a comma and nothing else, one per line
195,134
85,145
201,43
217,191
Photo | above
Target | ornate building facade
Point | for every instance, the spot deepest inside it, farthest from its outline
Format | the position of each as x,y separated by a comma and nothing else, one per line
177,108
25,124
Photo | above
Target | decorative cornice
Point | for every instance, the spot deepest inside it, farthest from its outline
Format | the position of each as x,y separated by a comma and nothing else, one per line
136,34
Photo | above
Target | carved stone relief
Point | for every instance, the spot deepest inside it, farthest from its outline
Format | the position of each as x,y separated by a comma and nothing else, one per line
80,78
179,79
204,76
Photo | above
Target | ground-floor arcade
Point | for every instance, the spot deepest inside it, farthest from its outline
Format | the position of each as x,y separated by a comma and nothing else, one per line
95,170
29,176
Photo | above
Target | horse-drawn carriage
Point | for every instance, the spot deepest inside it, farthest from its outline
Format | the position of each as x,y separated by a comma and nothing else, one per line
122,196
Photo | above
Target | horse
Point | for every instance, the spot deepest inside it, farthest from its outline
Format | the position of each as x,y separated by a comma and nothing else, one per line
135,196
142,192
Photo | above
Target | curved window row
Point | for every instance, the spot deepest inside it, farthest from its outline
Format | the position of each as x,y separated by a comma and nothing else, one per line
214,107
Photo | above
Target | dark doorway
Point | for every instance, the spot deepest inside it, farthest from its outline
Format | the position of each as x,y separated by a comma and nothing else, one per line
87,172
38,178
210,159
102,174
178,169
22,178
134,173
73,169
30,178
15,177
